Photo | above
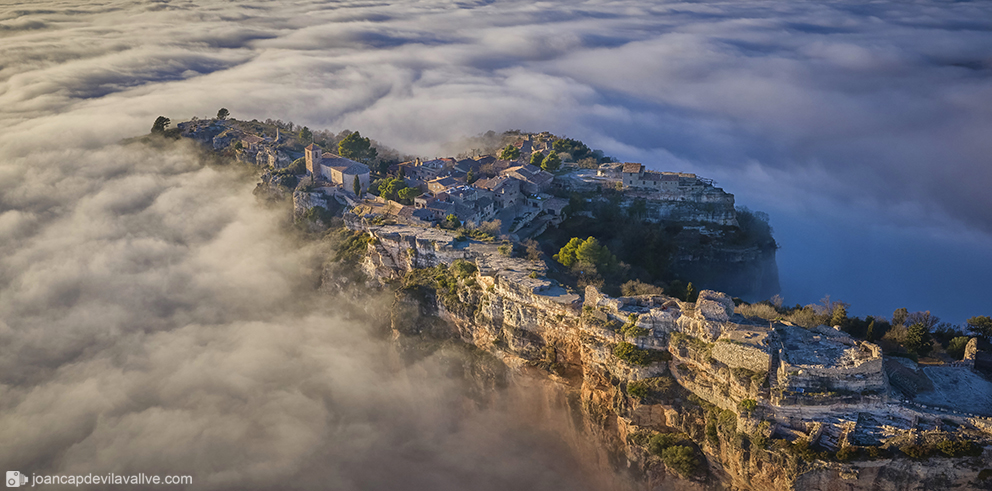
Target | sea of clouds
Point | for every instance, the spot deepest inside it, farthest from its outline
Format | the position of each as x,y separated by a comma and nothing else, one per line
154,318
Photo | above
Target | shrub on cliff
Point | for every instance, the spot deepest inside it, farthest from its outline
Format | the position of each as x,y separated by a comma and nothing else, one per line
662,441
638,390
747,406
353,245
630,329
959,448
918,452
847,453
463,269
636,356
681,458
634,288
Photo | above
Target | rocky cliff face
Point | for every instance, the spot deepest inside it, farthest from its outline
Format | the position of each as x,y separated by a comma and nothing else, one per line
636,367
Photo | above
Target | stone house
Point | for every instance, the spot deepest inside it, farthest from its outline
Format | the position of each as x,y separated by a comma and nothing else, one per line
441,184
335,168
533,179
633,175
506,190
252,143
424,171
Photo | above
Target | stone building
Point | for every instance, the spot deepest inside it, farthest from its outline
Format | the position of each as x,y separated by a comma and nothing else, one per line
335,168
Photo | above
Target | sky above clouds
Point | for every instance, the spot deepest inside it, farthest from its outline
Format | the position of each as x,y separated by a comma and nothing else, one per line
862,128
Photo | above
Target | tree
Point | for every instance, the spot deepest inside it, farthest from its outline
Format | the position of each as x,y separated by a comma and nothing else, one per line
470,177
918,339
407,194
586,252
928,320
839,317
551,162
956,346
509,152
355,147
899,317
870,335
357,187
223,113
981,325
681,458
160,124
537,159
574,148
390,188
690,293
306,136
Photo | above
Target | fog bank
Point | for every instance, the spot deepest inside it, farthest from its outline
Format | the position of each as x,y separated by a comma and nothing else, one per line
154,318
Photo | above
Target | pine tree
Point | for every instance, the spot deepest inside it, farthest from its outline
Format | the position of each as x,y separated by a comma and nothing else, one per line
357,186
551,162
160,124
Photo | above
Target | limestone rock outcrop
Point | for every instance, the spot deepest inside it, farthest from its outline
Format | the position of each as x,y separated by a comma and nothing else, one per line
698,364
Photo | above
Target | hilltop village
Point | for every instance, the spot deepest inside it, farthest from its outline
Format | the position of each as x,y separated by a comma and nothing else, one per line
693,389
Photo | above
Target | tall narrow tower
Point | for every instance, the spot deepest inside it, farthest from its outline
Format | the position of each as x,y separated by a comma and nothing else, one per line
313,155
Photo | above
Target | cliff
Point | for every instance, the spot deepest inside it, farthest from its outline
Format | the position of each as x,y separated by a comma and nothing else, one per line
676,395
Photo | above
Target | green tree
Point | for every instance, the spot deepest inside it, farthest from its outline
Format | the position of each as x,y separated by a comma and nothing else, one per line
390,188
566,255
470,177
870,335
223,113
357,187
306,136
161,123
407,194
681,458
839,317
356,148
918,339
574,148
537,159
690,293
509,152
451,221
581,252
551,162
956,346
981,325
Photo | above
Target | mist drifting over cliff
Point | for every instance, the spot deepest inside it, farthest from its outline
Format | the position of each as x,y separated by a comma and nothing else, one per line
157,320
861,128
153,318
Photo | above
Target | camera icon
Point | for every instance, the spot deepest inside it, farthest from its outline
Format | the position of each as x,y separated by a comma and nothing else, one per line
16,479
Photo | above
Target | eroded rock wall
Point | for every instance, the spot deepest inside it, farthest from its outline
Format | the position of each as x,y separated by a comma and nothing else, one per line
538,329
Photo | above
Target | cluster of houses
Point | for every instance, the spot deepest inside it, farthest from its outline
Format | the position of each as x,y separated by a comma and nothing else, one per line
635,176
477,190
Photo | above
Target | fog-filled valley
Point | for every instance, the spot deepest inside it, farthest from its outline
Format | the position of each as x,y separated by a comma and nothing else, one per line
156,318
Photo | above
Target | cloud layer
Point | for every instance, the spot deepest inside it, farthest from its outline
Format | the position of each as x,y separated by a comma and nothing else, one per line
154,319
864,117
